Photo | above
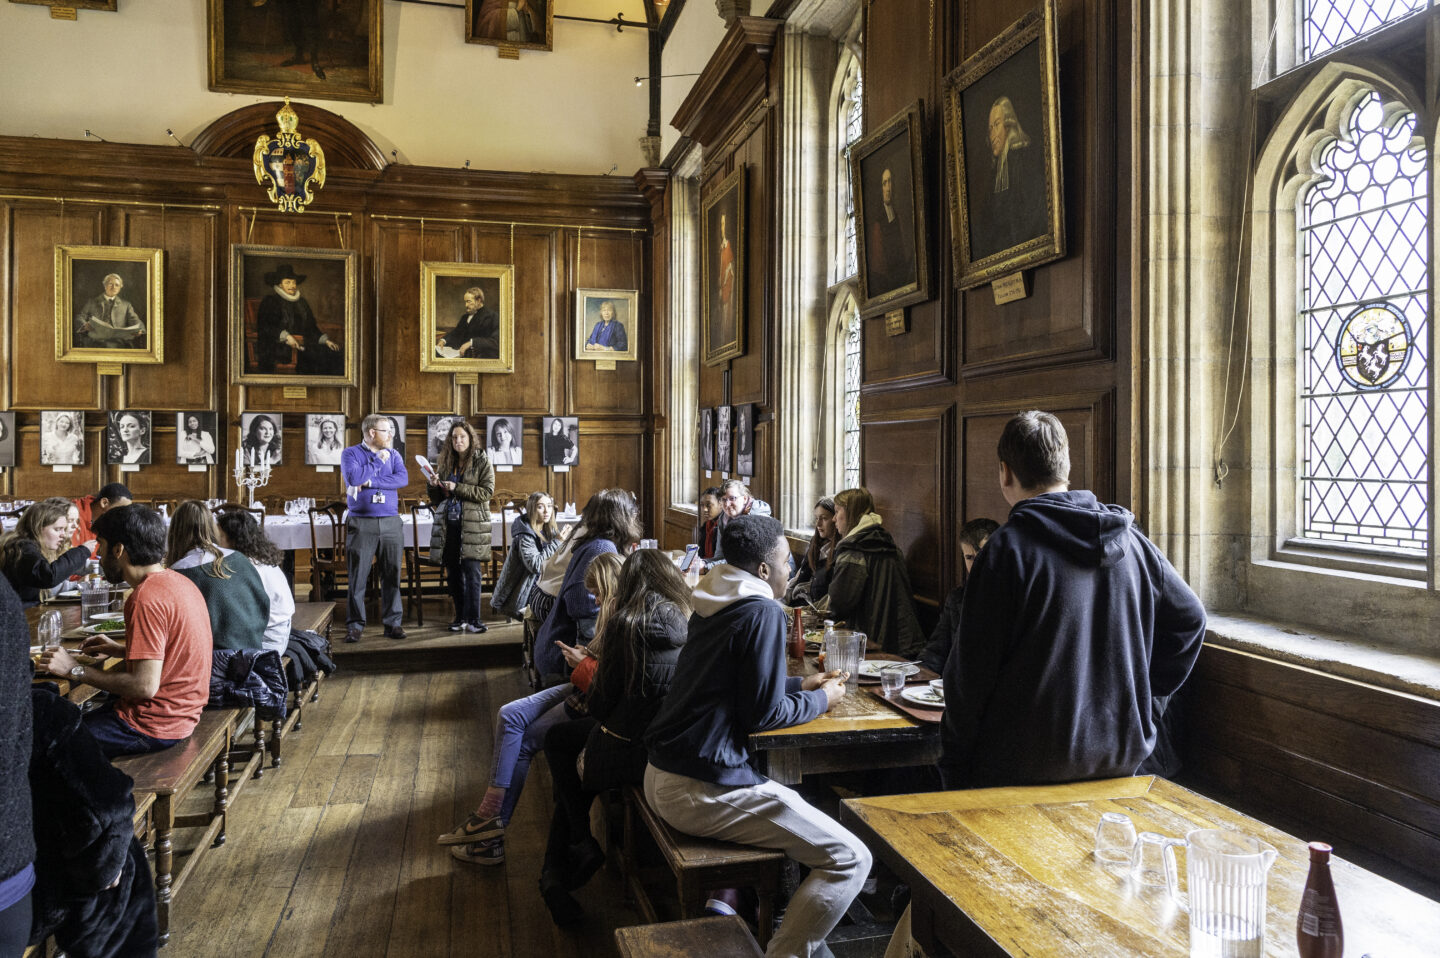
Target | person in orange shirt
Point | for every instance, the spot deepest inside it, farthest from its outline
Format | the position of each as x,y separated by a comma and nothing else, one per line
167,650
93,507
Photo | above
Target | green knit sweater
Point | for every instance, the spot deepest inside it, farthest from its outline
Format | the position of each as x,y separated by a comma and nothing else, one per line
239,606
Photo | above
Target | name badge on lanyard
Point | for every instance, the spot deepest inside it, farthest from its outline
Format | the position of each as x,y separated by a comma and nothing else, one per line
377,498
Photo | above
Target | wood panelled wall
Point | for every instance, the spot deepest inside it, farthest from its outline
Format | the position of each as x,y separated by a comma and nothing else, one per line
560,232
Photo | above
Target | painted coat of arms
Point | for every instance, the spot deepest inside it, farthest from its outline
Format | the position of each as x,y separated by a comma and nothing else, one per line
293,167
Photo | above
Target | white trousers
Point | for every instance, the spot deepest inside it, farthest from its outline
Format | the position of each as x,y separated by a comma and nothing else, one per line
770,815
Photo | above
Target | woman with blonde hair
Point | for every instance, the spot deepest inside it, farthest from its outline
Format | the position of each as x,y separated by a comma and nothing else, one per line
534,537
233,591
869,584
33,557
460,495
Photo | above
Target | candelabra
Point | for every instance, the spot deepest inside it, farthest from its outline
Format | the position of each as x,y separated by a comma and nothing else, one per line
251,475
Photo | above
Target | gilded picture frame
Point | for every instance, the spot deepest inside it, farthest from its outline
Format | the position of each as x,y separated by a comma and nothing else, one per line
455,339
887,168
1002,152
330,51
722,270
491,22
599,337
294,316
108,6
98,321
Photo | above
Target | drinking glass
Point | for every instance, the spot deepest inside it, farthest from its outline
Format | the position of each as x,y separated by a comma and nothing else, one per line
94,599
48,631
1114,838
891,681
843,651
1153,860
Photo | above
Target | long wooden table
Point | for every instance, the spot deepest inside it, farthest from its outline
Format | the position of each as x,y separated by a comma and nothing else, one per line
71,639
1011,871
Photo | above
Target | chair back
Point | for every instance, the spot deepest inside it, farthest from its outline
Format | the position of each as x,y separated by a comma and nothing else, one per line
502,500
225,507
417,508
335,511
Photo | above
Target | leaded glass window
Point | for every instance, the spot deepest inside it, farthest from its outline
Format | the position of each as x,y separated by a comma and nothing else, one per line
854,128
1326,24
1364,330
852,395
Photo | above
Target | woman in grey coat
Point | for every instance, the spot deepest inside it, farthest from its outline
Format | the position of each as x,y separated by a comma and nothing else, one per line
534,537
460,496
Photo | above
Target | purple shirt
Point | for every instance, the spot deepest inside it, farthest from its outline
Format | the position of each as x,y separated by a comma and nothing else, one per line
359,465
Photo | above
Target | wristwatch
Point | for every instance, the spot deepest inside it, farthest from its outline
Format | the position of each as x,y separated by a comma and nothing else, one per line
77,672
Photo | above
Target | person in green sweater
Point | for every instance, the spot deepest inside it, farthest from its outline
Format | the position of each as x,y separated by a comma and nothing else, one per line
234,592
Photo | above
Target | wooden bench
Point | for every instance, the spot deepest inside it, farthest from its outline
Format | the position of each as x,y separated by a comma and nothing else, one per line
172,775
697,865
308,617
717,936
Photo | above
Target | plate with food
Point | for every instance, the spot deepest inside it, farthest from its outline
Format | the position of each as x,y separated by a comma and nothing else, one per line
925,695
107,617
107,627
871,668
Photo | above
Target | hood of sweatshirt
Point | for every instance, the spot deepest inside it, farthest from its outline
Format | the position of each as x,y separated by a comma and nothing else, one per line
724,585
1076,524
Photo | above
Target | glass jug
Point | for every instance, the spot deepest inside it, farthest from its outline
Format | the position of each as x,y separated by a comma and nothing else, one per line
1226,874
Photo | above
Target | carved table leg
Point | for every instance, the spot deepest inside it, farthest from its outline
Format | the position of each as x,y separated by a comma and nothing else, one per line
164,861
276,730
222,792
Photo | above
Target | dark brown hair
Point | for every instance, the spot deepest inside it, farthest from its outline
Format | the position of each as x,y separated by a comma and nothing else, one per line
610,514
1036,449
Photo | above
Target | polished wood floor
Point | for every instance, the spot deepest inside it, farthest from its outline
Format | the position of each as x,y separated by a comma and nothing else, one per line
334,854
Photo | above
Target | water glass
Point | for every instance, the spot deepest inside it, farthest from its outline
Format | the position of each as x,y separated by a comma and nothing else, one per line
94,599
891,681
1114,838
48,630
1152,862
844,651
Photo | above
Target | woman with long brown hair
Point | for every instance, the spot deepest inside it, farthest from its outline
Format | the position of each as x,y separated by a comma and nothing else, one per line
460,495
534,537
869,584
33,557
234,593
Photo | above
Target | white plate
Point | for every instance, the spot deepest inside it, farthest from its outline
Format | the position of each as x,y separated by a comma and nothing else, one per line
923,695
871,668
108,617
95,630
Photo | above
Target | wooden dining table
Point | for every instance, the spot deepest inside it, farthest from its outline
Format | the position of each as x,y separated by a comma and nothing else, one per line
1012,871
70,638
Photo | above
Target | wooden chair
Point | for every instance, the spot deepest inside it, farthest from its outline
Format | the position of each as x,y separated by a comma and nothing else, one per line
328,566
420,562
224,507
502,500
719,936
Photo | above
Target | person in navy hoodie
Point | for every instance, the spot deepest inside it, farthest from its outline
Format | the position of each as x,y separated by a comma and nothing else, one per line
730,683
374,475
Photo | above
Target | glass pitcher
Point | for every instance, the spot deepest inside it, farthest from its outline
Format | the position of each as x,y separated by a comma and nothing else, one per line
844,651
1226,874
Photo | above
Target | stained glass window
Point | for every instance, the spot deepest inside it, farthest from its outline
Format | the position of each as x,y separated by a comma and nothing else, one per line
1363,338
852,395
854,127
1326,24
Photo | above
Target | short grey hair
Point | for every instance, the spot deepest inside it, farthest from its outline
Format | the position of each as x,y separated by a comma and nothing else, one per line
736,483
371,421
115,276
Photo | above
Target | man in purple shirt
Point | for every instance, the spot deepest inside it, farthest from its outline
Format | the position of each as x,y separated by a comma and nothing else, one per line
374,475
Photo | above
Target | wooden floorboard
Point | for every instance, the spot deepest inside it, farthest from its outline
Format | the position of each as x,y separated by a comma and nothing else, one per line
334,852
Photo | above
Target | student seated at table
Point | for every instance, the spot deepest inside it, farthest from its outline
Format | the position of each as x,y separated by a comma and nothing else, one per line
520,728
812,576
869,584
92,507
34,556
534,537
233,591
973,536
642,638
730,683
707,508
736,501
166,679
612,524
239,532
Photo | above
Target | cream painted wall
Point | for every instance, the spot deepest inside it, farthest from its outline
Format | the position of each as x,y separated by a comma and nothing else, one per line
573,110
696,35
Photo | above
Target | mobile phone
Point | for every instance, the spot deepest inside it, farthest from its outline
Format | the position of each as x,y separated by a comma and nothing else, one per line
691,551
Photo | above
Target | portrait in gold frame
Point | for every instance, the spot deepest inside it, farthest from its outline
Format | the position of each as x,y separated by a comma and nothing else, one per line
460,331
99,320
722,270
290,48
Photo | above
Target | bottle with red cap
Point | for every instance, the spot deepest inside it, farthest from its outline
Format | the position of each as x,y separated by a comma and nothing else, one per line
1317,929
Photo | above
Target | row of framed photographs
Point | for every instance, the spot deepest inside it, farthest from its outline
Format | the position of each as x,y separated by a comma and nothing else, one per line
715,447
294,314
130,438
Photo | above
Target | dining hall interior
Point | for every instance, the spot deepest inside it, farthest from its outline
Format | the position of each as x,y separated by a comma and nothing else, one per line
1215,268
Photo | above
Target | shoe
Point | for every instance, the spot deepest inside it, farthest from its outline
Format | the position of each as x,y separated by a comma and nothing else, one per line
319,70
394,632
714,906
457,626
565,911
587,856
473,829
475,627
352,632
489,852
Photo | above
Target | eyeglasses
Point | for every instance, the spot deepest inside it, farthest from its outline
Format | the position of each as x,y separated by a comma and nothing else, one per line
733,499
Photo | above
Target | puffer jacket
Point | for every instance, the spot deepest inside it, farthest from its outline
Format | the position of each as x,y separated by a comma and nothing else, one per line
248,678
870,589
474,490
527,555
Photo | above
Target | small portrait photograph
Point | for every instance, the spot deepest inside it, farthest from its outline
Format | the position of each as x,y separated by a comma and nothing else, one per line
62,437
397,434
605,323
262,439
292,316
195,438
888,170
467,318
745,439
324,438
1002,119
707,439
128,438
502,440
722,438
318,49
521,24
437,431
7,439
722,269
108,304
560,440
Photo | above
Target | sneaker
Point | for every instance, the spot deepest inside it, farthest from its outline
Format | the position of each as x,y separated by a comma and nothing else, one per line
394,632
353,631
474,829
714,906
457,626
489,852
475,627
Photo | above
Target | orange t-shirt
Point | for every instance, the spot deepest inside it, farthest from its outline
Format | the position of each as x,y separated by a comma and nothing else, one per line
166,619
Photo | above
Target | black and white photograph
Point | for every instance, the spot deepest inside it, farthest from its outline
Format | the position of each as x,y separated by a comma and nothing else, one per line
7,439
397,435
560,440
437,430
128,438
707,439
62,437
195,438
722,438
745,439
262,438
324,438
502,440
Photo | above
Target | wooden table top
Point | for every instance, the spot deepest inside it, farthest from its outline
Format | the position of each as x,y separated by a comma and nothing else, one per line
1011,871
71,637
855,718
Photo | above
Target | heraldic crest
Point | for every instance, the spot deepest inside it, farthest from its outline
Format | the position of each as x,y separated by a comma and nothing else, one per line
294,168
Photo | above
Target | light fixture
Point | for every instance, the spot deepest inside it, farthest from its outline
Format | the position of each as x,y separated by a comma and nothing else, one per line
667,76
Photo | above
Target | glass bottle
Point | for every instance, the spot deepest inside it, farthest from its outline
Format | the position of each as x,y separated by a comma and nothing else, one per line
797,636
1318,932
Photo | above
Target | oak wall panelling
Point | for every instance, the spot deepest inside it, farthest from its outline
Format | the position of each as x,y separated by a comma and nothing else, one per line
654,184
910,455
399,248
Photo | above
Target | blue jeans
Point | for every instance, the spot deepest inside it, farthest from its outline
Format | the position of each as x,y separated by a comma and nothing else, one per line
117,738
519,733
